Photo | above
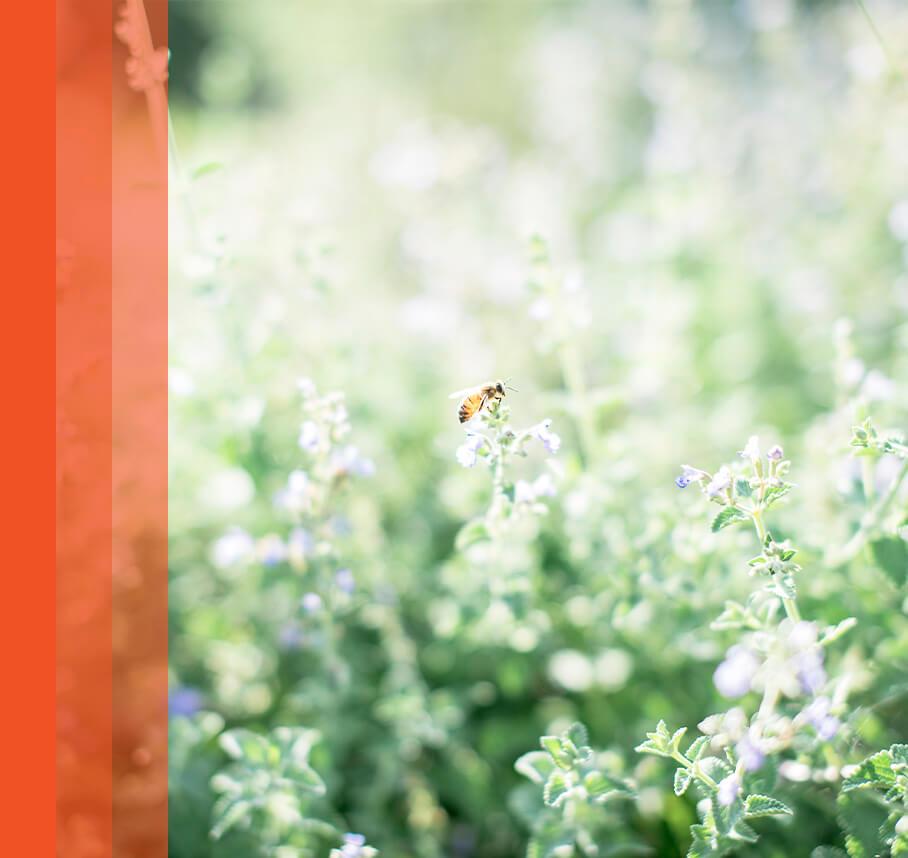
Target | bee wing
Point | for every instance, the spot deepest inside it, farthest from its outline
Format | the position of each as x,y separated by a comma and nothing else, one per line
460,394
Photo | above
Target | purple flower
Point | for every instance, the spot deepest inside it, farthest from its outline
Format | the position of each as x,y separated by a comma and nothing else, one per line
775,453
233,547
550,440
271,550
817,715
733,676
467,452
729,787
344,580
811,673
309,436
347,460
300,544
183,701
353,845
311,603
749,753
688,475
290,637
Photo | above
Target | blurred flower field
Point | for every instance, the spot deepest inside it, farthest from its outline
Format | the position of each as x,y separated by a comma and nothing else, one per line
654,600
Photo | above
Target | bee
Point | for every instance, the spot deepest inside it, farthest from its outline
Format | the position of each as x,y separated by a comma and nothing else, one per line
474,399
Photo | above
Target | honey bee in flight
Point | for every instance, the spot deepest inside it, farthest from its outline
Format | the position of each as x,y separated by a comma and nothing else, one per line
474,399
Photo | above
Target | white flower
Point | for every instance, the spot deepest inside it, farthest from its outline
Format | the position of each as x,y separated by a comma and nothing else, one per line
550,440
751,448
467,452
309,436
720,482
233,547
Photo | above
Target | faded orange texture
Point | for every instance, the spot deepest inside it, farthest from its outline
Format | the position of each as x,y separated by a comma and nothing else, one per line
112,455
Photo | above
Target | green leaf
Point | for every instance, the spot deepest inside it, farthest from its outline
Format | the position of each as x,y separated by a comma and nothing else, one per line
875,771
601,787
765,805
210,167
472,532
228,815
245,745
697,747
536,765
729,515
743,489
305,777
556,789
577,734
704,844
742,831
827,852
657,742
682,780
891,555
861,816
552,744
834,632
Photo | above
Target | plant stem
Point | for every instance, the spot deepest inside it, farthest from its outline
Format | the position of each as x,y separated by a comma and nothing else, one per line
790,605
572,373
870,523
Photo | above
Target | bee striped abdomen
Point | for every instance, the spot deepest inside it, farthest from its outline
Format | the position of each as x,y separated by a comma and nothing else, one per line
470,406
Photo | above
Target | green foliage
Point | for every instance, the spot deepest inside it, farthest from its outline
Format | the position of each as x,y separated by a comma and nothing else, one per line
705,223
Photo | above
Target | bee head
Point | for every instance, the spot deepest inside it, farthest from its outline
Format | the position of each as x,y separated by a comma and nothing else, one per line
499,386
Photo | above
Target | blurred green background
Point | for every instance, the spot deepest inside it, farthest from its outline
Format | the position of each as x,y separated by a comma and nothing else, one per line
719,185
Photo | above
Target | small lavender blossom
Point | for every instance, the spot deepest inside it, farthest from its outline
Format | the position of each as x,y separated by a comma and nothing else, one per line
818,716
184,701
688,475
348,460
719,483
729,787
523,492
290,637
749,753
235,546
751,448
311,603
353,846
550,440
811,673
271,550
344,580
300,544
733,676
527,492
544,486
295,495
775,453
310,436
467,452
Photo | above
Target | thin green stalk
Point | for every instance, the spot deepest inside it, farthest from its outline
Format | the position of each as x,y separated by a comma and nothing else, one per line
881,41
871,521
572,372
791,607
